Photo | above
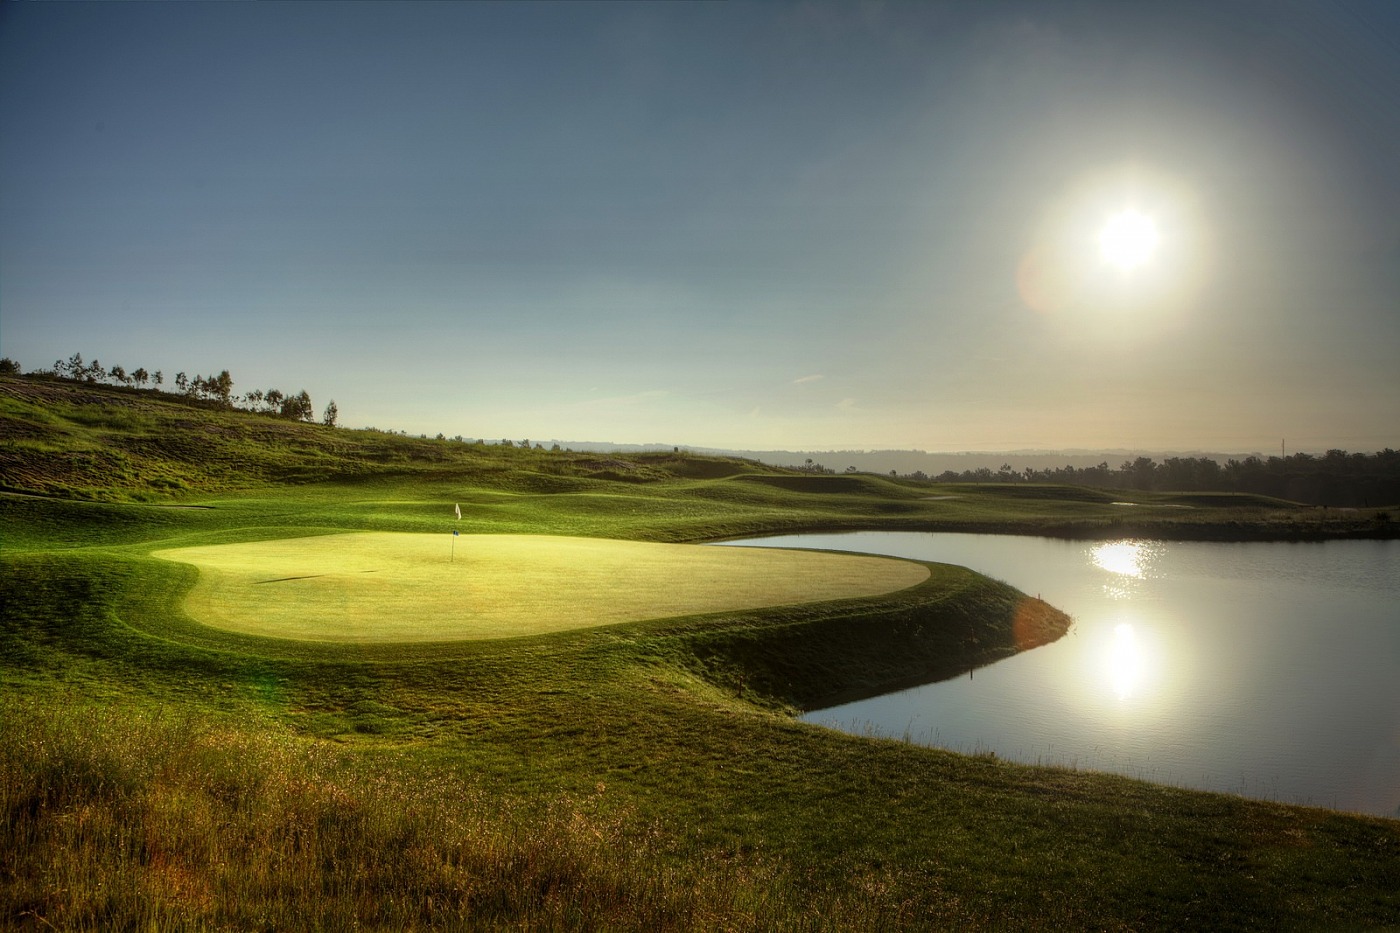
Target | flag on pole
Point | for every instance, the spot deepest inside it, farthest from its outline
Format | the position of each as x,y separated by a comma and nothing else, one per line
459,512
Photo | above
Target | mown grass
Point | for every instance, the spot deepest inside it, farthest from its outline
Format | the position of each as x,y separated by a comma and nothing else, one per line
162,774
388,587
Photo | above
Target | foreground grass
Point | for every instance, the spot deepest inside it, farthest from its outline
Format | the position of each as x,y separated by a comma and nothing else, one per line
115,817
119,816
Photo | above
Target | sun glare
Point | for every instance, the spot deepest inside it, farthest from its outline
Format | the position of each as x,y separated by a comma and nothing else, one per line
1128,239
1120,557
1125,661
1119,238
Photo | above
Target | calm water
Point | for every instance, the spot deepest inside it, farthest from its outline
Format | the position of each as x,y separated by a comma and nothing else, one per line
1269,670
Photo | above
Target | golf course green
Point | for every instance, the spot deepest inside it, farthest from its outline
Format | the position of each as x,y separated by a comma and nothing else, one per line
394,587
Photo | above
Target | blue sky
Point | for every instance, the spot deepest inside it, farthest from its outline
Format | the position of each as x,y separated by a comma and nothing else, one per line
745,225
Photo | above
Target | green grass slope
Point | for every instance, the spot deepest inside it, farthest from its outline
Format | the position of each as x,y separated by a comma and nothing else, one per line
157,773
72,441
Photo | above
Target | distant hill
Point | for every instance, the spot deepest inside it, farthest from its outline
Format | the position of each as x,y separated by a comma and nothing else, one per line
61,437
79,439
1336,478
907,462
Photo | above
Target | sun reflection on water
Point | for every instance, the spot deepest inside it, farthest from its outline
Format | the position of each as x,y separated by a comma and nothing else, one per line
1125,661
1120,557
1129,563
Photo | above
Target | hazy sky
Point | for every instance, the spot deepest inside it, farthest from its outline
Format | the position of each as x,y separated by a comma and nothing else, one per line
747,225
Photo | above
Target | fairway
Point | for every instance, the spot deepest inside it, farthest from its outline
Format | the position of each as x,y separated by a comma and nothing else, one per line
395,587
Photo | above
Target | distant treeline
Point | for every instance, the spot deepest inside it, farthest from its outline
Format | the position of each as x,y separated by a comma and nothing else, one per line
1336,478
217,389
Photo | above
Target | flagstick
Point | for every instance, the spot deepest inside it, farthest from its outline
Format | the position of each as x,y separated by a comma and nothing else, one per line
458,509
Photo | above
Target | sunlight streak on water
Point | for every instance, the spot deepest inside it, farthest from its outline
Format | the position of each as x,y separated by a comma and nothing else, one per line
1124,661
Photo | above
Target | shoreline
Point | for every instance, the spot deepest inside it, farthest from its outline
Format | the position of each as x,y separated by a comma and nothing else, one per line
1094,530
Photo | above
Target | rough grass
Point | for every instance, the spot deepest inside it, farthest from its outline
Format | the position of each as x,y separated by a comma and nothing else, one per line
119,817
390,587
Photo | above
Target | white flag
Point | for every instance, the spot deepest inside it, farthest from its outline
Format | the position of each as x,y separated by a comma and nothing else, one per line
459,512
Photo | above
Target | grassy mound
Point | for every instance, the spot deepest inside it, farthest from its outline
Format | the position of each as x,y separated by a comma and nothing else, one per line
388,587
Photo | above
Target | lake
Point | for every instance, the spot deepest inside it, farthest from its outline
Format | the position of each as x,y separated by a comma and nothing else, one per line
1270,670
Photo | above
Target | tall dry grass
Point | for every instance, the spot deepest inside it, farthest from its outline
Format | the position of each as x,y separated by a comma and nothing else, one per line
127,819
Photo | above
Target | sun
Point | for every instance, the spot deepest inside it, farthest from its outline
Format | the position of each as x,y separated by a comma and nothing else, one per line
1128,239
1117,239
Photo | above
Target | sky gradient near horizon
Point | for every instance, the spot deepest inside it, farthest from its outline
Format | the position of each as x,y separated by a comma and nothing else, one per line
741,225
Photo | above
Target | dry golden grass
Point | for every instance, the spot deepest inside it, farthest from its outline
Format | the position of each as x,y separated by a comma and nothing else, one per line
393,587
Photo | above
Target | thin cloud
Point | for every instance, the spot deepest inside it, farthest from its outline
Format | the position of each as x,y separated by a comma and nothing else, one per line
815,377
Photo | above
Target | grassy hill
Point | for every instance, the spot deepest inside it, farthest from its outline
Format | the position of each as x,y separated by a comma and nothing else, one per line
158,773
78,442
75,440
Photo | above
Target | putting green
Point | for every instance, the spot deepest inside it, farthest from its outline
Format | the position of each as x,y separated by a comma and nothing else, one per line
392,587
